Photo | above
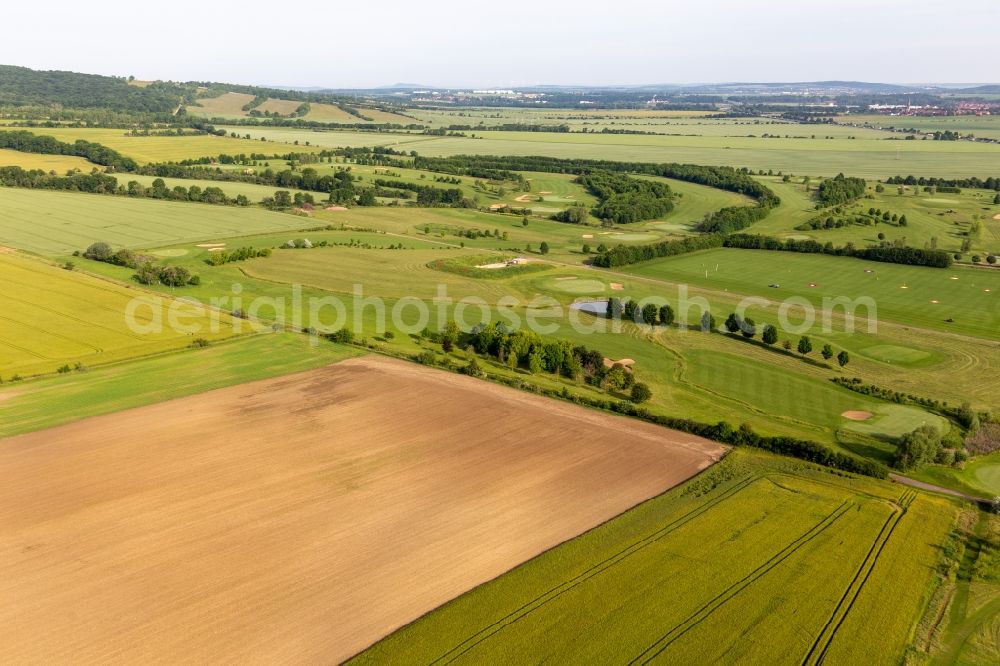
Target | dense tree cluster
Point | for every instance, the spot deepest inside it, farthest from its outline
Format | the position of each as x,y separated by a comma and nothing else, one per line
427,195
918,448
732,219
840,190
623,200
26,142
20,86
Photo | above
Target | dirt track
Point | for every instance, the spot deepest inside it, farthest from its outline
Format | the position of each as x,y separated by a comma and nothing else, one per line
299,519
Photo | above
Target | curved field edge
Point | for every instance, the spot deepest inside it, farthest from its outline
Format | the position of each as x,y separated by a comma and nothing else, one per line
757,541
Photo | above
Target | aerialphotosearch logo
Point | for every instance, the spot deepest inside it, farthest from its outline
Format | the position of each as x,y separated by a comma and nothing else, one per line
356,312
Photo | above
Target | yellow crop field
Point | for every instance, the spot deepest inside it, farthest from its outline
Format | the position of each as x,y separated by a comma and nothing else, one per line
58,163
147,149
53,317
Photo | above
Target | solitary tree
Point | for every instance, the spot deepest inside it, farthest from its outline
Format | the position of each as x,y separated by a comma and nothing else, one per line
543,248
748,327
707,322
770,334
640,393
733,322
805,345
827,352
666,315
843,358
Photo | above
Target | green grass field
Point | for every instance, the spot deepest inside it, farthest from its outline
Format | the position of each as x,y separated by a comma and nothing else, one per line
44,403
50,222
54,317
943,219
980,476
756,553
987,127
905,294
870,158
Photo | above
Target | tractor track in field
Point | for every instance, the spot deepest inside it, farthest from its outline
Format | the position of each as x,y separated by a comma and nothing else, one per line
596,569
731,592
817,653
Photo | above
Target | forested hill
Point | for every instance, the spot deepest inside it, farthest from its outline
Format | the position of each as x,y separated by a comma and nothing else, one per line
20,86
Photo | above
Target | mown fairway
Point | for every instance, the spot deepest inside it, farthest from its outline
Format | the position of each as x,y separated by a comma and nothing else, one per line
905,294
290,520
761,561
49,222
54,317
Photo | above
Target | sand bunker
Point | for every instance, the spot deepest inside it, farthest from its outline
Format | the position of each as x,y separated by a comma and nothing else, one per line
588,235
525,198
855,415
997,216
953,277
172,252
566,277
617,286
627,362
335,208
210,245
813,285
868,270
547,192
935,301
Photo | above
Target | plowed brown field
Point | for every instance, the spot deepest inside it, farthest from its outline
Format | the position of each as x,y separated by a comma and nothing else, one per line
299,519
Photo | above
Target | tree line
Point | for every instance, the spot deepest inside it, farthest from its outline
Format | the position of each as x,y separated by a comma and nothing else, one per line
624,255
991,183
885,252
27,142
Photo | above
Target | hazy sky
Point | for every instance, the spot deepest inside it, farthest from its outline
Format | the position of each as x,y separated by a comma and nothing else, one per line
515,42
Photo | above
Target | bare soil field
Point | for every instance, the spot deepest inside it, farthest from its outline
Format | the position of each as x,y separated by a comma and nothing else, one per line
299,519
